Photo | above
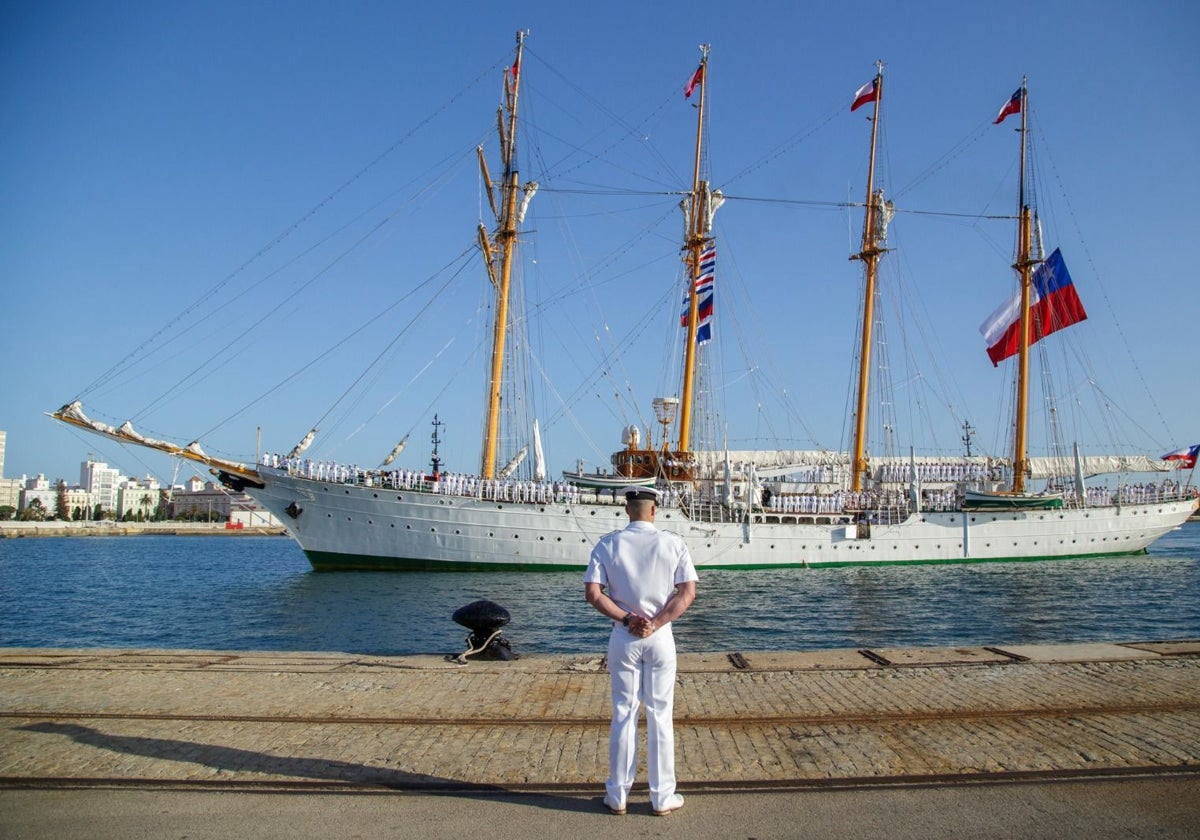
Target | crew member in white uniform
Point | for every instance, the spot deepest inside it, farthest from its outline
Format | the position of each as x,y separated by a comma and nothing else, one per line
643,579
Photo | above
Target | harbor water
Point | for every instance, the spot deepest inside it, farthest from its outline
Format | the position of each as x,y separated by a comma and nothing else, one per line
259,593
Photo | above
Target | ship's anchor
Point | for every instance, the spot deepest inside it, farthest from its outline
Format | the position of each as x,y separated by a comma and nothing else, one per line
293,510
484,619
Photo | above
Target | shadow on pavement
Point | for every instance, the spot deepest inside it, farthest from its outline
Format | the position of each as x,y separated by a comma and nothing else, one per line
234,760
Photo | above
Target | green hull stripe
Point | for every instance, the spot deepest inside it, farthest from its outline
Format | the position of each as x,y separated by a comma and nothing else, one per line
323,561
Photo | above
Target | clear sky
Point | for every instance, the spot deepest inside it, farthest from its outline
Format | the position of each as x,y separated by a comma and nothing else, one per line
251,182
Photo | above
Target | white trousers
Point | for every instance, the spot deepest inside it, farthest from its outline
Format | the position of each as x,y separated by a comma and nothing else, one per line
642,672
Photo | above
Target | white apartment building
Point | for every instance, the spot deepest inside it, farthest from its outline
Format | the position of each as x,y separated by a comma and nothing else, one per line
39,488
134,497
10,488
102,482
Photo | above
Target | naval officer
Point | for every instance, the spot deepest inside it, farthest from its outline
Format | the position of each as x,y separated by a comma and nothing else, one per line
643,579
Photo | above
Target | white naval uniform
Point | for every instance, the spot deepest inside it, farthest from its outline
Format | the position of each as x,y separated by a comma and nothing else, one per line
639,567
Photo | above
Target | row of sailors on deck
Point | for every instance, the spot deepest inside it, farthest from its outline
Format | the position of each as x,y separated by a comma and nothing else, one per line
492,489
936,472
447,484
864,500
1128,494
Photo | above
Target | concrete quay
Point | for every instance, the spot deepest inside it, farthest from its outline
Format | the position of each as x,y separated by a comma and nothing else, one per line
310,721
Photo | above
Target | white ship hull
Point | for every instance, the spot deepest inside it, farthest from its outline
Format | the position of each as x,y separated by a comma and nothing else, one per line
348,526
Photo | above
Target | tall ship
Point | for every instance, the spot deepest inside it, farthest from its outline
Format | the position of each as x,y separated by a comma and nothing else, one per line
737,508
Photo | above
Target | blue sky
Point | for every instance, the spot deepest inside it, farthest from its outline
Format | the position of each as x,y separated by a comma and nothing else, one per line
152,150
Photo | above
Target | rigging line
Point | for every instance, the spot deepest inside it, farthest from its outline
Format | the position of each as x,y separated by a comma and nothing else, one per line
297,258
597,158
569,287
787,145
600,371
325,353
940,163
1099,282
614,191
584,94
208,294
449,381
856,204
237,338
741,299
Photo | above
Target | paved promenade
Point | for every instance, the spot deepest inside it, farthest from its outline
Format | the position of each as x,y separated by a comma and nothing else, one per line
743,721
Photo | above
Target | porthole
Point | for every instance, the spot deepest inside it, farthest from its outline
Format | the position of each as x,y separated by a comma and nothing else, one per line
457,531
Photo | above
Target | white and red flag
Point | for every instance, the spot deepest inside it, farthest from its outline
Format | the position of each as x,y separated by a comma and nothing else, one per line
1053,304
867,93
1186,456
1012,106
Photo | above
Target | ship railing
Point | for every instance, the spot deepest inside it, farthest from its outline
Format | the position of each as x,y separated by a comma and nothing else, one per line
1129,494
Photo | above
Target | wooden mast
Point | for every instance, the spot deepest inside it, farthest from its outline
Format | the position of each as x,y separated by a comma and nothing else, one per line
696,240
1024,267
869,254
506,236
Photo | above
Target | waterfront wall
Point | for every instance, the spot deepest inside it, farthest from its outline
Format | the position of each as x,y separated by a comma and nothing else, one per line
9,530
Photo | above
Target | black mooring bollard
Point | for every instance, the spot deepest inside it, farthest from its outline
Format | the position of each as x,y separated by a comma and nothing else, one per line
484,619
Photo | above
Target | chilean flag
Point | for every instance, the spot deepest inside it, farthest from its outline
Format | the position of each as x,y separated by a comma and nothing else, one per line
1053,304
697,77
867,93
1012,106
1186,456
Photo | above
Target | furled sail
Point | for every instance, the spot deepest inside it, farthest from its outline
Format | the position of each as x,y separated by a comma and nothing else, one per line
539,459
512,465
396,450
299,448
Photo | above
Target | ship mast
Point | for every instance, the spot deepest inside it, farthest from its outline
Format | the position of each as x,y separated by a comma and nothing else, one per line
697,237
871,250
506,236
1024,267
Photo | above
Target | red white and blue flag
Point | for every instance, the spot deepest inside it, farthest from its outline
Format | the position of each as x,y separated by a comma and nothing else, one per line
1053,304
704,296
1012,106
697,77
867,93
1186,456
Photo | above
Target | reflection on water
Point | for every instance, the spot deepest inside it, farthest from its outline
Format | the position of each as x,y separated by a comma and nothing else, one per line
248,593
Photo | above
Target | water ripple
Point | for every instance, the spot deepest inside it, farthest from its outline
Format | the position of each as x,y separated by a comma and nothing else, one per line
249,593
